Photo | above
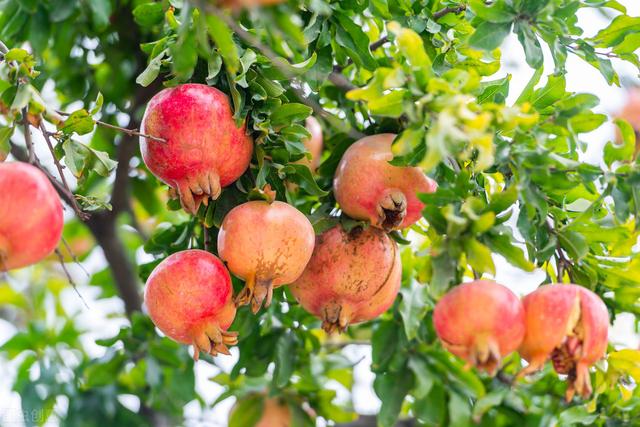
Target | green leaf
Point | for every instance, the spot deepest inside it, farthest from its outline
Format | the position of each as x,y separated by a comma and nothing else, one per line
500,241
586,122
5,135
284,359
553,91
289,113
389,105
184,55
459,411
304,178
100,12
247,412
413,307
81,158
574,243
498,12
623,151
530,43
619,28
223,37
148,14
392,393
577,415
153,69
479,256
79,122
489,35
527,92
423,375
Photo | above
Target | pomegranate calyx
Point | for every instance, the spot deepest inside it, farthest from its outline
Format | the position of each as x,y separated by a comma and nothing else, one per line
213,340
391,209
335,318
257,292
196,191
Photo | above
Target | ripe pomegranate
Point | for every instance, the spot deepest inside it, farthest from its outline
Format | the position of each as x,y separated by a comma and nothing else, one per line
367,187
481,322
313,145
351,277
569,324
30,216
188,297
267,245
204,149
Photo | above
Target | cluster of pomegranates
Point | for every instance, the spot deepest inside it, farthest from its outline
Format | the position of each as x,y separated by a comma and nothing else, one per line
341,277
483,321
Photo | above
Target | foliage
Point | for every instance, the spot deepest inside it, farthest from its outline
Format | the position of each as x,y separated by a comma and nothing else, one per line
511,183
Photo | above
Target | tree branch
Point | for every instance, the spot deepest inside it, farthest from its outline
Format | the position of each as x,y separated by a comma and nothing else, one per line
27,136
370,421
447,10
74,203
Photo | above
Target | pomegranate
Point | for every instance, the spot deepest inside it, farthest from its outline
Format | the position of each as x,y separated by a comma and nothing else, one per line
188,297
30,216
569,324
203,151
481,322
367,187
351,277
267,245
313,145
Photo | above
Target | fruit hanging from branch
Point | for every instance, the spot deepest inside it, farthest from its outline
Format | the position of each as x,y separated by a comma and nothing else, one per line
189,298
31,216
367,187
569,324
204,150
352,277
267,245
480,322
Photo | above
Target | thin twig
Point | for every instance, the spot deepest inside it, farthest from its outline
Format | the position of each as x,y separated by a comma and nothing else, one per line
373,46
69,278
27,136
447,10
130,132
74,257
74,203
3,48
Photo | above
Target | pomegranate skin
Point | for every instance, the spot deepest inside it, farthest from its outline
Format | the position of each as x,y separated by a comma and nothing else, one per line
367,187
204,149
267,245
351,277
188,297
313,144
480,322
31,216
570,325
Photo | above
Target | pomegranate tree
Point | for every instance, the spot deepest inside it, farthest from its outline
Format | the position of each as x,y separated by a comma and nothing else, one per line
30,216
367,187
351,277
481,322
188,297
267,245
568,324
204,149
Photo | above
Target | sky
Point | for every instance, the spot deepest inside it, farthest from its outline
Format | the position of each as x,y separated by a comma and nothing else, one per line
581,78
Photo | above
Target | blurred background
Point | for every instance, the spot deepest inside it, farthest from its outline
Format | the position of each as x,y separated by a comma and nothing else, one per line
101,318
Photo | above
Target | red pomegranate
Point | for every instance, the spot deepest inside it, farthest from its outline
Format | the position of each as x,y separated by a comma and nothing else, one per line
367,187
313,144
188,297
30,216
480,322
267,245
569,324
204,149
351,277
